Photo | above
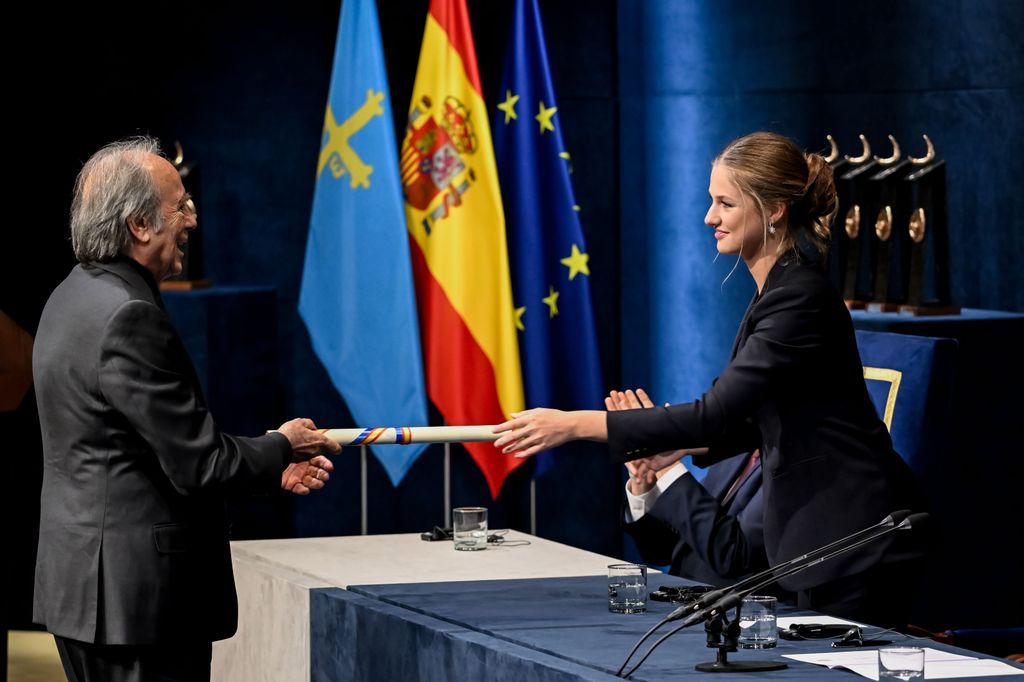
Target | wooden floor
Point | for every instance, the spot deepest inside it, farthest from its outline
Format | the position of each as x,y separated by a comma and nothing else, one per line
32,657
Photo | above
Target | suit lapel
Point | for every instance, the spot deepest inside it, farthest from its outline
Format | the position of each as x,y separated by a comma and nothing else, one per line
721,475
743,332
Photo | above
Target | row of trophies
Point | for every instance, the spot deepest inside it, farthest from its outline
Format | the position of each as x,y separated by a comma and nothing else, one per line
889,252
191,276
890,244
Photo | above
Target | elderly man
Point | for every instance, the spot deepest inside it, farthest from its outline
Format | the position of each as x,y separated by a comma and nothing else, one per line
133,574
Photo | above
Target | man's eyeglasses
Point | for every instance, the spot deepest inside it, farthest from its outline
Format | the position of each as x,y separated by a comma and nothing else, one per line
186,206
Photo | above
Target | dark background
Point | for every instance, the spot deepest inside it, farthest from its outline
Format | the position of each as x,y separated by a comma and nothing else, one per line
647,93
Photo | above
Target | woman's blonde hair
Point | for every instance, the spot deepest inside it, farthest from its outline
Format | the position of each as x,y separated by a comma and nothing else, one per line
772,169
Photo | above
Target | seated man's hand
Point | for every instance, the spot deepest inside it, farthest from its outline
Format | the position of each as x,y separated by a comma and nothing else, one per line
627,400
641,477
302,477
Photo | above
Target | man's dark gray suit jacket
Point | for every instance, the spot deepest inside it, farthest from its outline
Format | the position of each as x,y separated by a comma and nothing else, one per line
133,546
794,388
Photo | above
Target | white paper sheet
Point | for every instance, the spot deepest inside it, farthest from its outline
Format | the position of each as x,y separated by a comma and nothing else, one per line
938,665
819,620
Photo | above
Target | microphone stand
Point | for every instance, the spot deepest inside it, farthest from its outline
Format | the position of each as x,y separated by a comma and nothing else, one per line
724,635
709,598
724,599
721,634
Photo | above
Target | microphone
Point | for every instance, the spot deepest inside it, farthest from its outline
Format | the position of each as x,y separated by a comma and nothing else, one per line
713,604
736,593
709,598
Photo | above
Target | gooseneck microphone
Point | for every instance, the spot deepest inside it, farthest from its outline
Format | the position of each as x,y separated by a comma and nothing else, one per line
715,603
890,521
735,594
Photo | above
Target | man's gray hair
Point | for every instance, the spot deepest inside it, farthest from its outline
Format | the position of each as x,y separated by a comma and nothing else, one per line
113,186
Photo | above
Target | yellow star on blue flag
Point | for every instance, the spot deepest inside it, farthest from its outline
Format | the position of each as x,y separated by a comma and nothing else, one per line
551,301
545,116
576,262
509,106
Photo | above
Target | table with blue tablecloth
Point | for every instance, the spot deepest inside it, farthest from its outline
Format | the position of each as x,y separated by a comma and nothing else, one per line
277,578
530,629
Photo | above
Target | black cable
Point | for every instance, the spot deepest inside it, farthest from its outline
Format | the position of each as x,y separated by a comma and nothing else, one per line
618,673
657,625
653,647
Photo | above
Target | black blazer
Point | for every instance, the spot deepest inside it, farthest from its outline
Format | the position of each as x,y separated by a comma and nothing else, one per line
691,531
795,388
133,547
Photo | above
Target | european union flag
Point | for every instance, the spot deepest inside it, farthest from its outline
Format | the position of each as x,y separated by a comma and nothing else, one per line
550,268
357,297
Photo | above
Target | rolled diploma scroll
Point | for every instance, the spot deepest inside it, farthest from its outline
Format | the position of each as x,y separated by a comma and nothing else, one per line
405,435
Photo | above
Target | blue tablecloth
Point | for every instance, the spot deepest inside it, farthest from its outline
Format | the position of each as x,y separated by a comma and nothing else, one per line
536,629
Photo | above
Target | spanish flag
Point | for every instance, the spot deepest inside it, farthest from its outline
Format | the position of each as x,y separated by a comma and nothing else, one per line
457,234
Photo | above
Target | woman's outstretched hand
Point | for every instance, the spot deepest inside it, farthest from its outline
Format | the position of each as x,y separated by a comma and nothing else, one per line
542,428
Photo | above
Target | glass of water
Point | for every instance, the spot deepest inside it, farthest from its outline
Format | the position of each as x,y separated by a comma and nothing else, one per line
758,625
901,663
469,528
627,588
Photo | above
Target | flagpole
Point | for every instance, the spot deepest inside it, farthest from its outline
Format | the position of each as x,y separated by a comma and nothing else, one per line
363,525
447,483
533,506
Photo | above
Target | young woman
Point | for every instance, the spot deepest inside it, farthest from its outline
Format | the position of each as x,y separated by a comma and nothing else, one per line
794,388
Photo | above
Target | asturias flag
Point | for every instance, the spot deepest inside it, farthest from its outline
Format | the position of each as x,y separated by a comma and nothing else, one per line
457,229
357,296
550,264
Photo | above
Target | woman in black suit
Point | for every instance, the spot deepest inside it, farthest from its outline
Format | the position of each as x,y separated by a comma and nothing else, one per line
794,388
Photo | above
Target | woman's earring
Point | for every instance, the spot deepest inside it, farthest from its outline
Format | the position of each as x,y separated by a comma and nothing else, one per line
771,227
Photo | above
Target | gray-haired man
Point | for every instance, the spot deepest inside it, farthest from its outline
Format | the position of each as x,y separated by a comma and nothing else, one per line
133,575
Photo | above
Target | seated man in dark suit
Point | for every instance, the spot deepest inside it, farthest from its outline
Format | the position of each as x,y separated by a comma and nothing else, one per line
710,531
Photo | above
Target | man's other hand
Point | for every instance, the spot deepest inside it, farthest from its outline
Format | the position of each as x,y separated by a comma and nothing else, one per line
302,477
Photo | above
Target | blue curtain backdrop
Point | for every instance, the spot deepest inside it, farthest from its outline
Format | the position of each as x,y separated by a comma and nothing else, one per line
695,74
649,90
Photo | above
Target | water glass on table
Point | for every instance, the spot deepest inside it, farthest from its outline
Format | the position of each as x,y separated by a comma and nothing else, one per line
901,663
627,588
469,528
758,623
